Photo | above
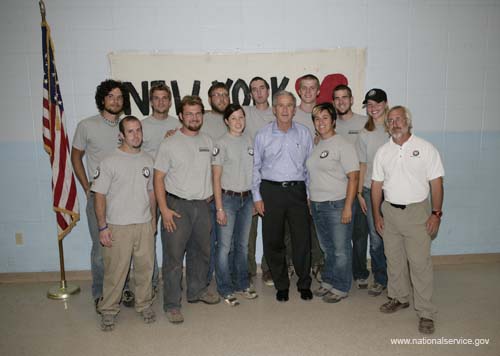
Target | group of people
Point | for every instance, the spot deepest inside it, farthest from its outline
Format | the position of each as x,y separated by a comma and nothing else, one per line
321,178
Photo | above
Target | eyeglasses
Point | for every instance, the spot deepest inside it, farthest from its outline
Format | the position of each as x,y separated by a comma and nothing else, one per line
220,95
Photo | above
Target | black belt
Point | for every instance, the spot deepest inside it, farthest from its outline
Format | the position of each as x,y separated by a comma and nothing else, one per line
399,206
175,196
286,184
236,194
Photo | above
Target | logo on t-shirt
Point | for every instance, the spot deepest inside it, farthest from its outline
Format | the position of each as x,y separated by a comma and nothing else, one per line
97,173
204,149
354,132
215,152
146,172
250,151
324,154
415,153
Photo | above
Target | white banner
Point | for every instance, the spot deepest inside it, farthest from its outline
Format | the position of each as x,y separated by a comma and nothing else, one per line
192,74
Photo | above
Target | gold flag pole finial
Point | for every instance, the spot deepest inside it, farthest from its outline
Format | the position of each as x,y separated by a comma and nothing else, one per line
42,9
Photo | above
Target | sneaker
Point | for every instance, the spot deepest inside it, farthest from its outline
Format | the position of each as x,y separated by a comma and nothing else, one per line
107,322
426,326
316,272
231,300
267,278
96,305
207,298
175,316
128,298
332,297
148,315
392,306
248,293
376,289
321,291
362,283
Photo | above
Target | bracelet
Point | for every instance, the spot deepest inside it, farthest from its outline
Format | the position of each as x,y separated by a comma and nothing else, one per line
220,209
101,229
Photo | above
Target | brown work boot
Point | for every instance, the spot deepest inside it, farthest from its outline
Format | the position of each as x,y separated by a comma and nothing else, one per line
392,306
426,326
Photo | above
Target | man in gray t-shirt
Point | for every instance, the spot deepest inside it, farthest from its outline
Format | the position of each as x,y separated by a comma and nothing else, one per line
349,125
183,184
95,137
156,126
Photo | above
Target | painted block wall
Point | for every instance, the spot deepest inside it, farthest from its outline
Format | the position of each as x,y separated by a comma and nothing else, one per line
440,58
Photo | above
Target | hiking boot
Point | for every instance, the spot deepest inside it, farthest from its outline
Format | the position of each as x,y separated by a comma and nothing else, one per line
128,298
392,306
148,315
175,316
332,297
207,298
107,322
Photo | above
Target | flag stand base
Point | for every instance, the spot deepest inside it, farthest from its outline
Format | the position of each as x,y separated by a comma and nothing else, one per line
63,291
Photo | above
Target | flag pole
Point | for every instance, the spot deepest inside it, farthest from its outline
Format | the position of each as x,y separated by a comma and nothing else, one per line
62,291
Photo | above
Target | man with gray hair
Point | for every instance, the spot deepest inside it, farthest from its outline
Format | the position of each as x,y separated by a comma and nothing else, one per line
406,168
280,193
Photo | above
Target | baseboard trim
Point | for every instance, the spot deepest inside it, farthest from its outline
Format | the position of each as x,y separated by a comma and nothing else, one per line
85,275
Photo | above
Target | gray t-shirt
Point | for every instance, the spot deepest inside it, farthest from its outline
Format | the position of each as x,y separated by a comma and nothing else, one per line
305,118
213,125
154,130
186,160
367,145
235,155
328,166
125,179
94,136
257,119
350,128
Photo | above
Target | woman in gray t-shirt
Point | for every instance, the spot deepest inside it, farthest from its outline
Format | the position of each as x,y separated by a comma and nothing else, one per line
373,135
334,172
232,164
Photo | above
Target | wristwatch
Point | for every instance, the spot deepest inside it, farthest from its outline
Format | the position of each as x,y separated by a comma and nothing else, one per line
438,213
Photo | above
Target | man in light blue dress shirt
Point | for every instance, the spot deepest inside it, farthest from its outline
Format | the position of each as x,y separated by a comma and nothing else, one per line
280,193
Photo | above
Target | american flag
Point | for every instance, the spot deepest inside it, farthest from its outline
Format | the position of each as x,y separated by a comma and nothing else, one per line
55,140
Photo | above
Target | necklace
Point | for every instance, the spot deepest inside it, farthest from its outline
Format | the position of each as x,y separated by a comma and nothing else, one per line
110,122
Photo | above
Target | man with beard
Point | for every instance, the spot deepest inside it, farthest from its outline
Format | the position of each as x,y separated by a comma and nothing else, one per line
214,126
406,168
349,125
124,205
95,137
183,184
154,129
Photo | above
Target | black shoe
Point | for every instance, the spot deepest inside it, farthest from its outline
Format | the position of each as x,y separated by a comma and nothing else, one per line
282,295
306,294
128,298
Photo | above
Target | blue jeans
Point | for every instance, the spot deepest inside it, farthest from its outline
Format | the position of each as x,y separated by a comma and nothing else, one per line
231,265
335,241
379,266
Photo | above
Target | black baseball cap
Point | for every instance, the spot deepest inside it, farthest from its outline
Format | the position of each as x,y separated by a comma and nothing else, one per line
375,94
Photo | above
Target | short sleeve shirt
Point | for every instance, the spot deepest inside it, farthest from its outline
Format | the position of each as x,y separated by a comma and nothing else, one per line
186,160
330,162
235,155
213,125
305,118
125,179
256,119
350,128
367,145
154,130
406,170
94,136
